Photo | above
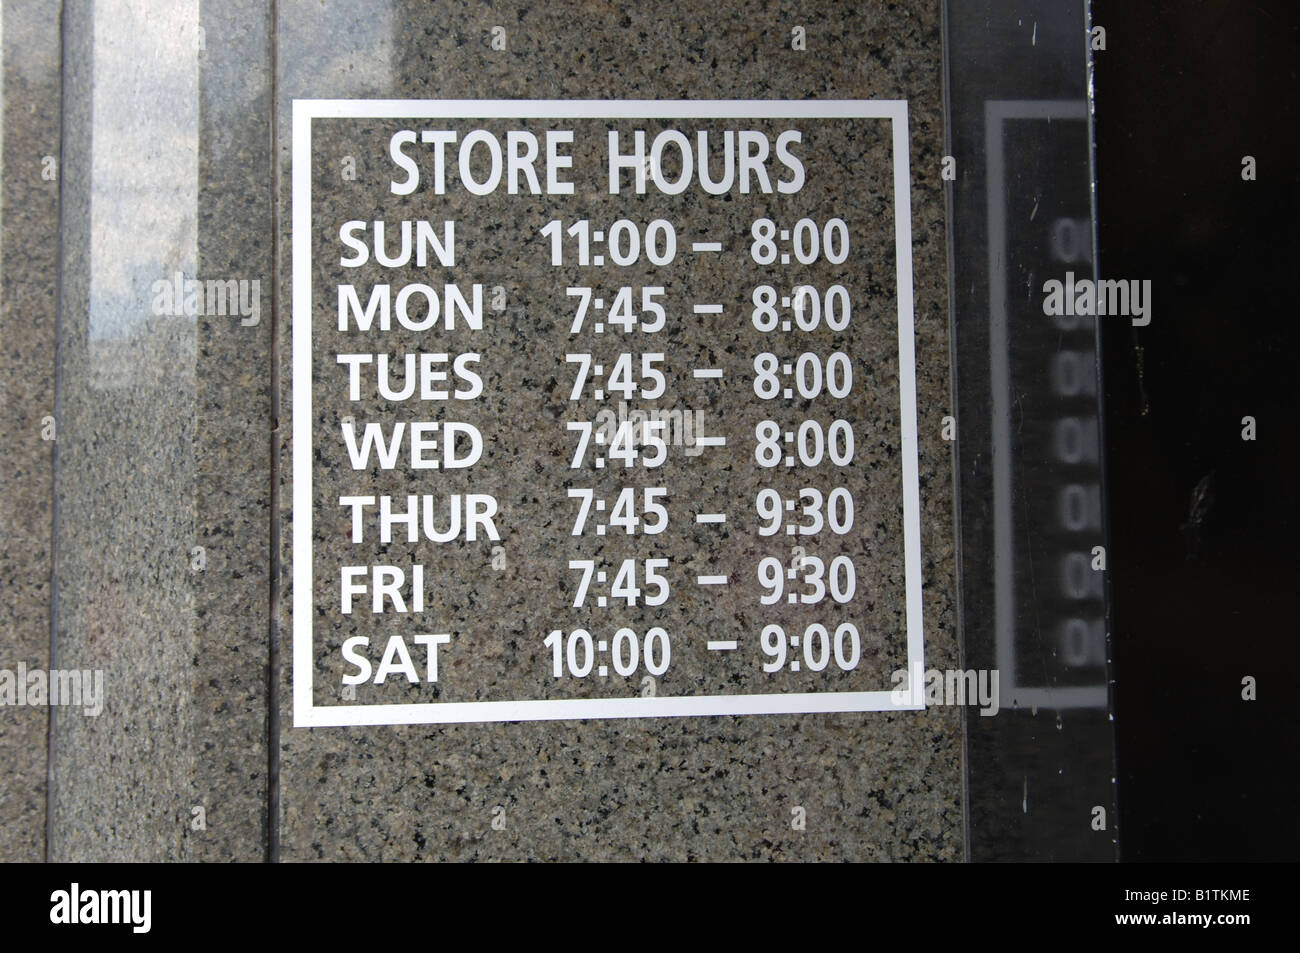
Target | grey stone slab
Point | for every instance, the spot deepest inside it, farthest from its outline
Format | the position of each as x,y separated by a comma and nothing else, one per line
164,471
29,215
233,432
873,785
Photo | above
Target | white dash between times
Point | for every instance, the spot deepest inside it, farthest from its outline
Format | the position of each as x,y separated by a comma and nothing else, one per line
706,246
707,373
711,580
723,645
710,517
707,308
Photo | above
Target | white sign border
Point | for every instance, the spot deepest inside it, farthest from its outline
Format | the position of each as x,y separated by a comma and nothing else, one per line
305,712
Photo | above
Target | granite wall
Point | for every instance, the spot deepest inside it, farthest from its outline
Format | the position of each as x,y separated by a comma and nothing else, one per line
29,241
164,519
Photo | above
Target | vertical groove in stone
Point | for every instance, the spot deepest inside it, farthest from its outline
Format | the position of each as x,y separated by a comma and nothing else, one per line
273,542
29,58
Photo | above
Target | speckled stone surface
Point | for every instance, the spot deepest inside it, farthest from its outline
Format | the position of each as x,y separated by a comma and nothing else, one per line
163,448
28,259
874,786
232,436
124,602
165,424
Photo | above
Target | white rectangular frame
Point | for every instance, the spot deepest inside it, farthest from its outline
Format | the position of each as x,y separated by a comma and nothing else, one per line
305,712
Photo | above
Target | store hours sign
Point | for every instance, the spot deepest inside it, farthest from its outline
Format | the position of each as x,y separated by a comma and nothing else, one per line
602,409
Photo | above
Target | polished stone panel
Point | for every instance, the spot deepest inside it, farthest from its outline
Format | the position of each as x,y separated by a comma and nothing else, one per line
158,517
873,785
29,216
165,423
